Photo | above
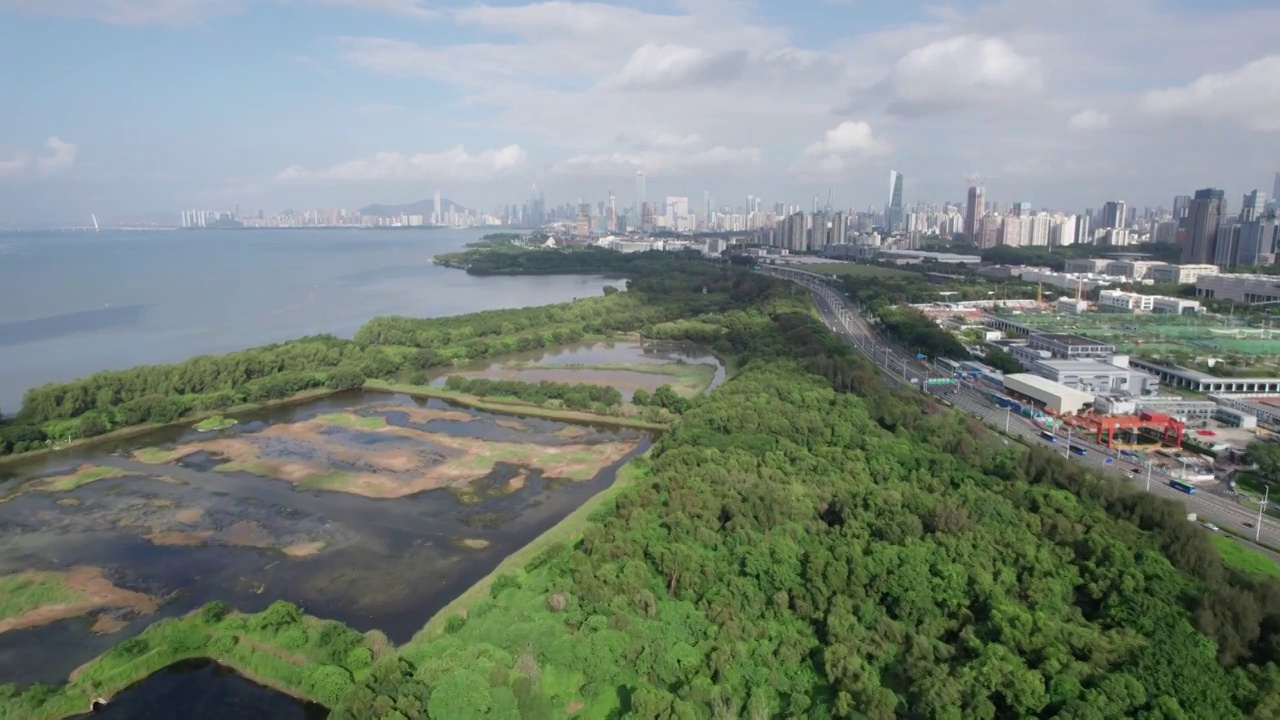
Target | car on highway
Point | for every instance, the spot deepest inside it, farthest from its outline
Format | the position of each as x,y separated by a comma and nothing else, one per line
1210,526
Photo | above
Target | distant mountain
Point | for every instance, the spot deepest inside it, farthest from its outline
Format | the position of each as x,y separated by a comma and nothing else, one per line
422,207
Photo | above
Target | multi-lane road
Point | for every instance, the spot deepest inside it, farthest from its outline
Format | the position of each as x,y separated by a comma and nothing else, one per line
843,318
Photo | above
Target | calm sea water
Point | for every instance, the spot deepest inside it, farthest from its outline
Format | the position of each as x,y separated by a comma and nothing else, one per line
75,303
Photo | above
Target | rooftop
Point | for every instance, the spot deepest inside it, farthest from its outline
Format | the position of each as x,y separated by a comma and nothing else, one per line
1070,339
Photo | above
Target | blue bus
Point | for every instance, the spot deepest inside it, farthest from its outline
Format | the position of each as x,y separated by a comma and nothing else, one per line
1184,487
1079,450
1050,437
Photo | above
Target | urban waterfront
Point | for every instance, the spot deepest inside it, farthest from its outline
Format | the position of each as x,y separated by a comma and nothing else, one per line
75,303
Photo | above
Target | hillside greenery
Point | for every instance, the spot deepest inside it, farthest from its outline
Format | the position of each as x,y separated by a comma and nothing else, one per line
808,542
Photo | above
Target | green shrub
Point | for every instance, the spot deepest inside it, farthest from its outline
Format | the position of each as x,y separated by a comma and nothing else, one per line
329,684
358,658
213,612
293,638
223,645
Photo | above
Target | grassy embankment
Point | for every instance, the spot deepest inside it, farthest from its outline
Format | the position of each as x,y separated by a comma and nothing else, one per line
279,648
568,531
1244,558
511,406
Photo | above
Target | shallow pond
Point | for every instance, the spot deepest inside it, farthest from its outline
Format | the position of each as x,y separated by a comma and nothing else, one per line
627,366
453,492
203,690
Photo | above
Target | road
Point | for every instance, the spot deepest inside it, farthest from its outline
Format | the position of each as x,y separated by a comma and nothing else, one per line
842,317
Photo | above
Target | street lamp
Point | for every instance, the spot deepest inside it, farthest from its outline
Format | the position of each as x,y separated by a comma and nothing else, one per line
1257,529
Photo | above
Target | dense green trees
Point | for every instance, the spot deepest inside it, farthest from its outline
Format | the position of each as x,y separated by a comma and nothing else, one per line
577,396
807,541
812,543
917,333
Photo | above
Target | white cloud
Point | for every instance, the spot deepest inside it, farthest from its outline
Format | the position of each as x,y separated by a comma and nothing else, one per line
841,148
455,164
1248,96
1089,120
61,156
662,155
961,71
667,67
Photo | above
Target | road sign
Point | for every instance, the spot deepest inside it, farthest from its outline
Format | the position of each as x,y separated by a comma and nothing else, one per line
941,381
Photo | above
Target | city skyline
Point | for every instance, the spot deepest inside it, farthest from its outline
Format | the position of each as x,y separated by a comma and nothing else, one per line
1060,105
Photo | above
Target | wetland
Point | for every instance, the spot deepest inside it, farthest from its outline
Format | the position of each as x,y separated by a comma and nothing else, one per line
374,509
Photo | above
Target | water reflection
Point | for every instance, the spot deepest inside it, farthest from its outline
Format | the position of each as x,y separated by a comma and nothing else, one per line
203,690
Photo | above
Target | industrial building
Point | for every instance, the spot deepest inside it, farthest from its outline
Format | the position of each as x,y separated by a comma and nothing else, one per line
1244,288
1055,397
1206,383
1097,377
1069,346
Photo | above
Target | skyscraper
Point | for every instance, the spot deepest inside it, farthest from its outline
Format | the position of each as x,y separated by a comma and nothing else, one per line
974,211
641,197
1253,207
1113,215
894,217
1199,230
437,212
1275,189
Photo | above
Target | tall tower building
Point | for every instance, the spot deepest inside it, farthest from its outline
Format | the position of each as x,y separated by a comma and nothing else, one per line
974,211
641,196
611,221
1275,190
1253,207
1199,230
437,212
1113,215
895,216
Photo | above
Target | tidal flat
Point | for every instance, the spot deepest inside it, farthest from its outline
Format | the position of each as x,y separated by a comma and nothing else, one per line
369,508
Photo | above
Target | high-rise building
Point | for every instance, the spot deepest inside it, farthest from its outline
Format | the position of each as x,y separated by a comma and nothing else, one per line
1275,190
973,212
611,220
1199,230
894,217
1257,242
437,212
641,196
706,209
1114,215
1253,207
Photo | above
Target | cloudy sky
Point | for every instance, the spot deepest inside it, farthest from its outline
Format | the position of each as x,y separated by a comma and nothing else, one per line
130,106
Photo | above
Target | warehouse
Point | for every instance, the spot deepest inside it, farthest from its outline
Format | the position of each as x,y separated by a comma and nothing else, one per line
1055,397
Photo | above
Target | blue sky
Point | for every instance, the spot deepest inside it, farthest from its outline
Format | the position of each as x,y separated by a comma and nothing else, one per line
130,106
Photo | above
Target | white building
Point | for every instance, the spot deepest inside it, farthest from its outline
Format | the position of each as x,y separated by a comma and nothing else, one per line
1055,397
1180,274
1250,289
